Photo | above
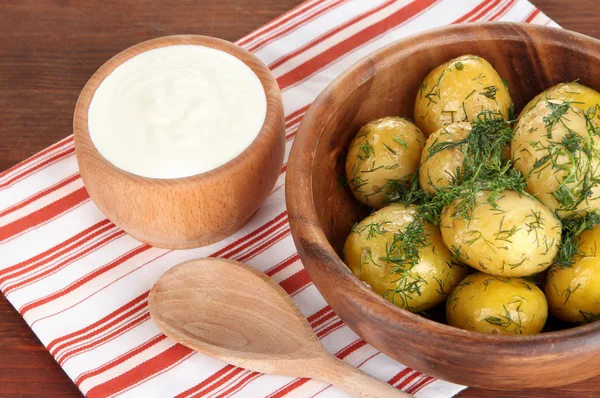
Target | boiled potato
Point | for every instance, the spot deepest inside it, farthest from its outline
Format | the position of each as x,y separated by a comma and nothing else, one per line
497,305
574,293
581,96
383,155
458,91
554,150
503,234
440,169
374,249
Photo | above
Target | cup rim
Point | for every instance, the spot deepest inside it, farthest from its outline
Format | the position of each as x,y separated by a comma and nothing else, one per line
274,112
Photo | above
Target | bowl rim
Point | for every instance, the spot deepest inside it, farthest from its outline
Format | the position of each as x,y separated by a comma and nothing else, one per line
274,110
306,227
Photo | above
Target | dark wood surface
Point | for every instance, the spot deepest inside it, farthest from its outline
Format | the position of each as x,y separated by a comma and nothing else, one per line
48,50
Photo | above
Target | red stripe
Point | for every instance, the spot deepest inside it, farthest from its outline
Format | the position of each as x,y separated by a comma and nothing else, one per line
327,35
57,250
324,319
420,384
219,383
282,265
37,156
532,16
278,22
503,10
82,281
40,194
308,18
206,382
254,240
474,11
94,325
318,314
222,251
110,336
318,62
409,379
297,114
295,282
37,167
267,244
289,388
119,360
400,375
154,365
43,215
240,384
329,329
96,332
49,271
351,348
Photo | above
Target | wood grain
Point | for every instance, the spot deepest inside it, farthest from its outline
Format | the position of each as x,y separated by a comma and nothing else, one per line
49,49
215,203
253,324
531,58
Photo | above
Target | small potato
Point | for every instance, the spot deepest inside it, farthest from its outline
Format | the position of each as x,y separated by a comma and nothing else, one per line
582,97
374,249
440,169
459,90
382,156
506,234
574,293
497,305
554,150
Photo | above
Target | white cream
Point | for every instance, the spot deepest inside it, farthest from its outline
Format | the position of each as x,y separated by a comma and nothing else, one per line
176,111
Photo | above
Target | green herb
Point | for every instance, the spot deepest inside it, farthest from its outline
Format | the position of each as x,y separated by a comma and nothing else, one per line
507,322
470,94
489,92
572,226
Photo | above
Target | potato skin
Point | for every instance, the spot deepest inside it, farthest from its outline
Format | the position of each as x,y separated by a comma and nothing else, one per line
387,149
533,141
497,305
438,170
574,293
432,278
582,97
468,80
518,236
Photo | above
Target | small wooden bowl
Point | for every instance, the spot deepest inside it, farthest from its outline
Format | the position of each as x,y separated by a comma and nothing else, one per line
188,212
531,58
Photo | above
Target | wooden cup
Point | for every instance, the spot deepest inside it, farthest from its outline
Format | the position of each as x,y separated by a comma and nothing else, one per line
187,212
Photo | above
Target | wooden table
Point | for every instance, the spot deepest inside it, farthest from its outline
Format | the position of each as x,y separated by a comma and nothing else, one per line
48,50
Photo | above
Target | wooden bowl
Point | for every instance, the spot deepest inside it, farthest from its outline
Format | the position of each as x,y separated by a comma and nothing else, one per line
531,58
192,211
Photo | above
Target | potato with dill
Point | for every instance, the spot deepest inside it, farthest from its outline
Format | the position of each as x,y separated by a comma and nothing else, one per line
505,233
402,257
497,305
582,97
440,168
457,91
573,291
558,151
382,158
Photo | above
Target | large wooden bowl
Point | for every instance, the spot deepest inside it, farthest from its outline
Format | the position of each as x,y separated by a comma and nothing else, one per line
531,58
192,211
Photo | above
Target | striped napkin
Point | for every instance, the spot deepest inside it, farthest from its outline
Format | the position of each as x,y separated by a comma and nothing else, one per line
82,284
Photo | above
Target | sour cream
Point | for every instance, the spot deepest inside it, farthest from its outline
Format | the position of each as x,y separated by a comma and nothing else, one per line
176,111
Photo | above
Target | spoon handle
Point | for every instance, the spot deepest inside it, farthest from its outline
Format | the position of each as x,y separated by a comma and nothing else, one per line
354,381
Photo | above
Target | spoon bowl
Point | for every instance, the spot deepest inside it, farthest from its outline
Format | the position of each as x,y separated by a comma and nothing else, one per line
234,313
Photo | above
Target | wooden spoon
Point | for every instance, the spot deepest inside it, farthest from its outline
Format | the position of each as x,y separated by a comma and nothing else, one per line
234,313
